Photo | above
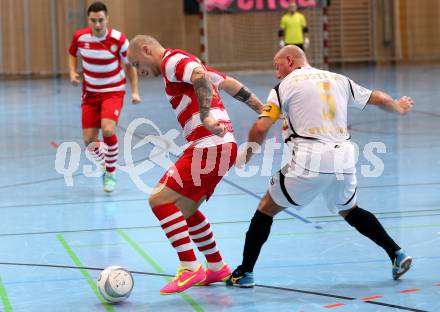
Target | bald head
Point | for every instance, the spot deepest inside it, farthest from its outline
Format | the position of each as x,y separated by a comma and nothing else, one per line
145,54
293,52
288,59
141,40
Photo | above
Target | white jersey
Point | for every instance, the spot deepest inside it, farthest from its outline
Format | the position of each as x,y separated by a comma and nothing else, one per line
315,103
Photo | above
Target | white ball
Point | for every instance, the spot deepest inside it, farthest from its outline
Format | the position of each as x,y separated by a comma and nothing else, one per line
115,284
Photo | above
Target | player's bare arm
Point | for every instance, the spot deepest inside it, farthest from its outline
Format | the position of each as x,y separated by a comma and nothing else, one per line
256,137
131,73
241,93
386,102
204,91
73,65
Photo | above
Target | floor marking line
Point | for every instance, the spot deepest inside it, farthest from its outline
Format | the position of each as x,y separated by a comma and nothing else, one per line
330,306
395,306
4,296
258,285
371,298
190,300
341,297
409,290
305,292
60,266
84,272
216,223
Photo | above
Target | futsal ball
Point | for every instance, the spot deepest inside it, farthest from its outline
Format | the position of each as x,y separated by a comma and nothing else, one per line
115,284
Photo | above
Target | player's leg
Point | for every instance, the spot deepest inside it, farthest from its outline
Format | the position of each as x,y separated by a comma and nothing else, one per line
202,236
198,227
256,236
208,166
291,186
366,223
193,179
110,111
163,202
91,123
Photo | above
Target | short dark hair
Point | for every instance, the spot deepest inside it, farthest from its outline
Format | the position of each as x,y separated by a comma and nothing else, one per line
97,7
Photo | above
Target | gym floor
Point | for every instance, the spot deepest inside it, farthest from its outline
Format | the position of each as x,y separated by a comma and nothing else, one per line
56,238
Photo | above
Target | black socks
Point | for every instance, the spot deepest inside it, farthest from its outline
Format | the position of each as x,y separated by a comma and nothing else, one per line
256,236
367,224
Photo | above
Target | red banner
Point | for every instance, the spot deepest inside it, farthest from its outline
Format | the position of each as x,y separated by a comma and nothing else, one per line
232,6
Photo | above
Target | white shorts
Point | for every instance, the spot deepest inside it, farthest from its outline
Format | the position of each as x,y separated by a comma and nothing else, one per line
295,186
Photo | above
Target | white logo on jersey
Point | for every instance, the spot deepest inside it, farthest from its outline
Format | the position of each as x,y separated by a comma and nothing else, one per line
116,112
86,45
114,48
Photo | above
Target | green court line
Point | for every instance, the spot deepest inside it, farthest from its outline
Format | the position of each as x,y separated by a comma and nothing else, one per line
5,299
390,228
190,300
84,272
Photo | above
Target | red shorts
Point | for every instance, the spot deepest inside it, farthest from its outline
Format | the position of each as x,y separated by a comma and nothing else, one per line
198,171
99,105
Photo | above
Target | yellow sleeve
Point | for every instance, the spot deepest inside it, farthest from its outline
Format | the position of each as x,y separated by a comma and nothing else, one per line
283,22
271,110
303,21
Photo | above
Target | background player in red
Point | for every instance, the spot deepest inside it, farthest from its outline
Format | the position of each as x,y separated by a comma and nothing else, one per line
193,91
104,61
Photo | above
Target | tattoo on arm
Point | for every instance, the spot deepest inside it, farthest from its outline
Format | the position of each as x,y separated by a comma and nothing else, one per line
246,96
204,91
255,104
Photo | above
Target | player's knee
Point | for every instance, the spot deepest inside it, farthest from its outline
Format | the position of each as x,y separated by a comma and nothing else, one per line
108,130
268,206
154,200
345,213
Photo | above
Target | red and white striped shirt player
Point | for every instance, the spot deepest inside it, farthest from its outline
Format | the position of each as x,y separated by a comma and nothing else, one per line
102,59
177,67
193,91
103,52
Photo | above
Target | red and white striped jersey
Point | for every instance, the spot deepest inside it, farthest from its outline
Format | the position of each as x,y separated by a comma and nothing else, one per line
177,67
101,59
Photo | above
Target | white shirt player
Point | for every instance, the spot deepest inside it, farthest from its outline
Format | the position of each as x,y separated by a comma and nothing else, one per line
315,103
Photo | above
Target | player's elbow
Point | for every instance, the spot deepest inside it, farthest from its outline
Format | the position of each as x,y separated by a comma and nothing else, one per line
198,73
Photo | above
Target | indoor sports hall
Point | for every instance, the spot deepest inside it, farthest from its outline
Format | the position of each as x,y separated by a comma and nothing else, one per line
59,229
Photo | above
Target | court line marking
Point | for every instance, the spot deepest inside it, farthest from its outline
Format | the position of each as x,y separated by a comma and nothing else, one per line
185,296
217,223
84,272
143,199
341,297
330,306
409,290
371,298
4,296
395,306
52,179
61,266
257,285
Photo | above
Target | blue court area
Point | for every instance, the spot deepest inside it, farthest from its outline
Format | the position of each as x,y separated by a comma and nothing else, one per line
55,238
